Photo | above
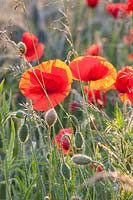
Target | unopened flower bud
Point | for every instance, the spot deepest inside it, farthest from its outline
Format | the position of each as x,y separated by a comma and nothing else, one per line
23,133
66,171
80,159
51,117
79,140
20,114
22,47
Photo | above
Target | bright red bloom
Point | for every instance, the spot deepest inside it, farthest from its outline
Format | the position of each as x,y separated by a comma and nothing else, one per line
46,84
87,68
130,5
130,56
92,3
97,97
95,69
129,38
62,141
34,50
94,50
117,10
124,84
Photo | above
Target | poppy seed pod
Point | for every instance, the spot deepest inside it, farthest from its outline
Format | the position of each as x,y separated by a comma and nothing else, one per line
23,133
80,159
66,171
22,47
51,117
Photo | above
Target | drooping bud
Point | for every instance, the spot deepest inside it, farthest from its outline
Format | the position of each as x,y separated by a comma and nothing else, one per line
51,117
79,140
22,47
81,159
20,114
23,133
66,171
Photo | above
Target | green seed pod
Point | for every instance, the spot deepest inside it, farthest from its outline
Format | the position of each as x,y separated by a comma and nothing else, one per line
80,159
66,171
79,140
22,47
23,133
20,114
75,198
51,117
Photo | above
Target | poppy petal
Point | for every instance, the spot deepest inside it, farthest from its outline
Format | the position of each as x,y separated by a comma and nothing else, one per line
87,68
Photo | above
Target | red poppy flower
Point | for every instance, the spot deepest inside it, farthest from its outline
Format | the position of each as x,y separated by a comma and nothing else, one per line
124,84
62,141
130,56
46,84
94,50
95,69
97,97
130,5
87,68
92,3
34,50
129,38
117,10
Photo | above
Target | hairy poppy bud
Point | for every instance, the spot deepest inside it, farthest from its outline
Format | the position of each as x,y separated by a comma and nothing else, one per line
51,117
80,159
23,133
65,171
22,47
20,114
79,141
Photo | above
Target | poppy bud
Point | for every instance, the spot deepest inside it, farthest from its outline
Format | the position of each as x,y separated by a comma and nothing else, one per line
79,141
23,134
22,47
66,171
99,168
51,117
81,159
20,114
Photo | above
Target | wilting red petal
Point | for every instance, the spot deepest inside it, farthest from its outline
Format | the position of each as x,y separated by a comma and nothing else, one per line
92,3
87,68
95,96
94,50
34,49
46,84
117,10
63,143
